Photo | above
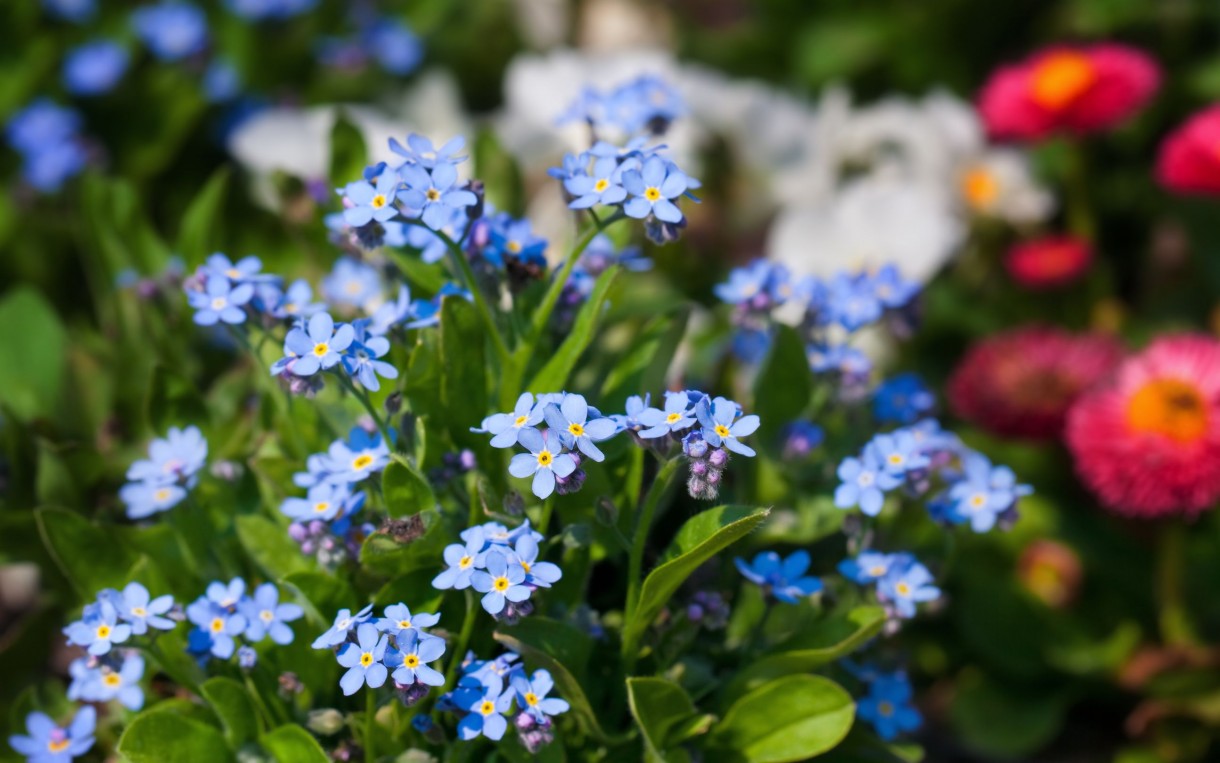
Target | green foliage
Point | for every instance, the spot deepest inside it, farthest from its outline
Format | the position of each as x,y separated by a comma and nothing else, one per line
789,719
554,375
32,354
157,737
405,490
292,744
233,706
665,714
203,223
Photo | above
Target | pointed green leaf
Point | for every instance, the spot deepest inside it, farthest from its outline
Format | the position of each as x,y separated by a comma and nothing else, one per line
269,545
293,744
665,714
463,368
348,154
784,384
406,491
554,375
157,737
32,354
89,555
174,401
232,705
790,719
200,234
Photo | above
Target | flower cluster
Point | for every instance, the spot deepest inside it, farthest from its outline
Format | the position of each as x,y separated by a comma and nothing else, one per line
486,693
901,581
972,489
645,104
395,646
160,482
224,613
501,564
321,345
48,138
324,522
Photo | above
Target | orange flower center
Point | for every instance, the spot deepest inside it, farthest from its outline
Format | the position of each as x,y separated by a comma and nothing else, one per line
1169,407
58,745
980,188
1061,78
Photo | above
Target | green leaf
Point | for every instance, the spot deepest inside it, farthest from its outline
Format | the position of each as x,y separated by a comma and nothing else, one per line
393,557
270,547
664,713
174,401
545,643
89,556
793,718
999,721
348,154
406,491
702,537
33,354
200,234
829,639
784,384
54,484
293,744
463,368
554,375
157,737
325,593
232,705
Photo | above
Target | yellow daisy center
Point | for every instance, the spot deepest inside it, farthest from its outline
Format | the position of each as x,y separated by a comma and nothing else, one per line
520,420
673,417
501,584
465,562
103,631
58,745
545,458
601,185
321,506
366,659
321,348
1061,78
1169,407
362,461
487,708
218,625
531,698
112,679
410,661
378,201
577,430
652,193
723,431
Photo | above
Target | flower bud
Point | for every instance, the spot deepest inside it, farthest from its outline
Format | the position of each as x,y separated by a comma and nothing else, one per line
718,457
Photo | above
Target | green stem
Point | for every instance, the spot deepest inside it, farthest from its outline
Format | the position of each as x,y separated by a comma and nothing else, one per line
370,717
363,396
1079,212
265,719
1176,629
643,523
463,639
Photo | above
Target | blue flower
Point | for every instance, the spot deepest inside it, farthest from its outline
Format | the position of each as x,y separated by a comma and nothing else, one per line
363,454
898,452
361,359
369,202
319,347
257,10
719,427
429,310
902,399
871,566
604,186
576,432
500,583
505,427
363,660
409,660
48,168
44,742
634,407
352,283
171,30
432,194
297,302
463,560
394,45
98,629
102,683
143,499
514,239
266,616
398,619
864,482
422,152
326,501
246,270
497,534
540,574
345,621
75,11
800,438
221,624
984,492
532,696
40,126
485,670
904,586
220,301
432,248
247,657
746,283
644,102
887,707
652,187
393,312
890,288
94,68
783,578
544,461
677,415
221,81
136,606
853,303
485,704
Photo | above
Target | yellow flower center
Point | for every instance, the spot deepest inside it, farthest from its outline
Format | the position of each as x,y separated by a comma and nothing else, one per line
513,246
980,188
366,659
895,458
723,431
112,679
433,194
1061,78
321,348
1169,407
673,417
885,708
362,461
978,501
161,495
218,625
139,611
465,562
545,458
219,303
58,745
525,566
903,589
321,506
404,624
876,570
266,615
233,273
103,631
378,201
501,584
410,661
520,420
577,430
601,185
531,698
487,708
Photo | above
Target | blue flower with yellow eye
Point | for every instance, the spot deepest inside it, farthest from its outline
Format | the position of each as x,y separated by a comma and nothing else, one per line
603,186
463,559
906,585
514,239
500,583
544,462
984,492
887,706
326,501
319,346
221,625
677,415
362,358
267,616
432,194
864,483
785,579
540,574
871,566
898,453
220,301
505,427
485,704
352,283
363,660
363,454
419,150
370,202
570,419
653,188
143,499
722,427
532,696
409,659
136,606
44,742
98,629
399,619
343,625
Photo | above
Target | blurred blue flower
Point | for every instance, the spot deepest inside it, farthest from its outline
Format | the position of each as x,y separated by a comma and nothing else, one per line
463,560
887,706
143,499
40,125
485,704
102,683
246,270
906,585
98,629
532,696
344,623
783,578
94,68
419,150
394,46
720,429
136,606
361,360
221,81
984,492
898,452
177,457
220,301
49,168
75,11
409,658
902,399
544,461
44,742
352,283
326,501
259,10
603,186
171,30
297,302
864,483
514,239
363,660
871,566
500,583
800,438
852,301
266,616
890,288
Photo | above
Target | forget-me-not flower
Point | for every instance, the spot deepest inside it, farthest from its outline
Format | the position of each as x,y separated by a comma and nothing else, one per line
463,559
532,695
319,347
136,606
677,415
44,742
371,202
907,585
363,660
864,482
485,703
500,583
143,499
220,301
541,574
409,659
505,427
432,193
652,188
398,619
266,616
171,30
94,68
544,461
98,629
719,427
783,578
887,706
345,621
570,419
361,361
420,150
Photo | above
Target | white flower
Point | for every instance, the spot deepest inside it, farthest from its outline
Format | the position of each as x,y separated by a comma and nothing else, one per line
999,183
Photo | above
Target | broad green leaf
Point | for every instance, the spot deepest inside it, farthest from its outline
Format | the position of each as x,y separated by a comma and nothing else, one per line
174,401
322,592
202,224
392,557
422,386
406,491
89,556
293,744
790,719
536,647
33,354
232,705
829,639
863,746
1000,721
158,737
463,368
554,375
701,538
348,154
665,714
784,384
269,545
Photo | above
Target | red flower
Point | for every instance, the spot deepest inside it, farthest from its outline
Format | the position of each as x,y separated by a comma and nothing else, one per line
1021,383
1189,160
1149,443
1078,89
1044,263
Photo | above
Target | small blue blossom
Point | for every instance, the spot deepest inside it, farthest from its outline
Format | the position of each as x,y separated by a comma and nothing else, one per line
887,707
398,619
540,574
629,419
41,125
344,623
370,202
363,454
44,742
496,534
783,578
463,560
143,499
136,606
393,312
98,629
485,704
171,30
871,566
545,461
677,415
75,11
318,347
800,438
326,501
603,186
890,288
431,194
532,696
220,301
419,150
221,81
409,659
361,361
297,302
571,420
47,169
902,399
719,427
432,248
221,624
247,657
266,616
652,189
984,492
905,586
394,46
898,452
352,283
513,239
102,683
94,68
853,302
864,482
748,283
363,660
505,427
500,583
246,270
